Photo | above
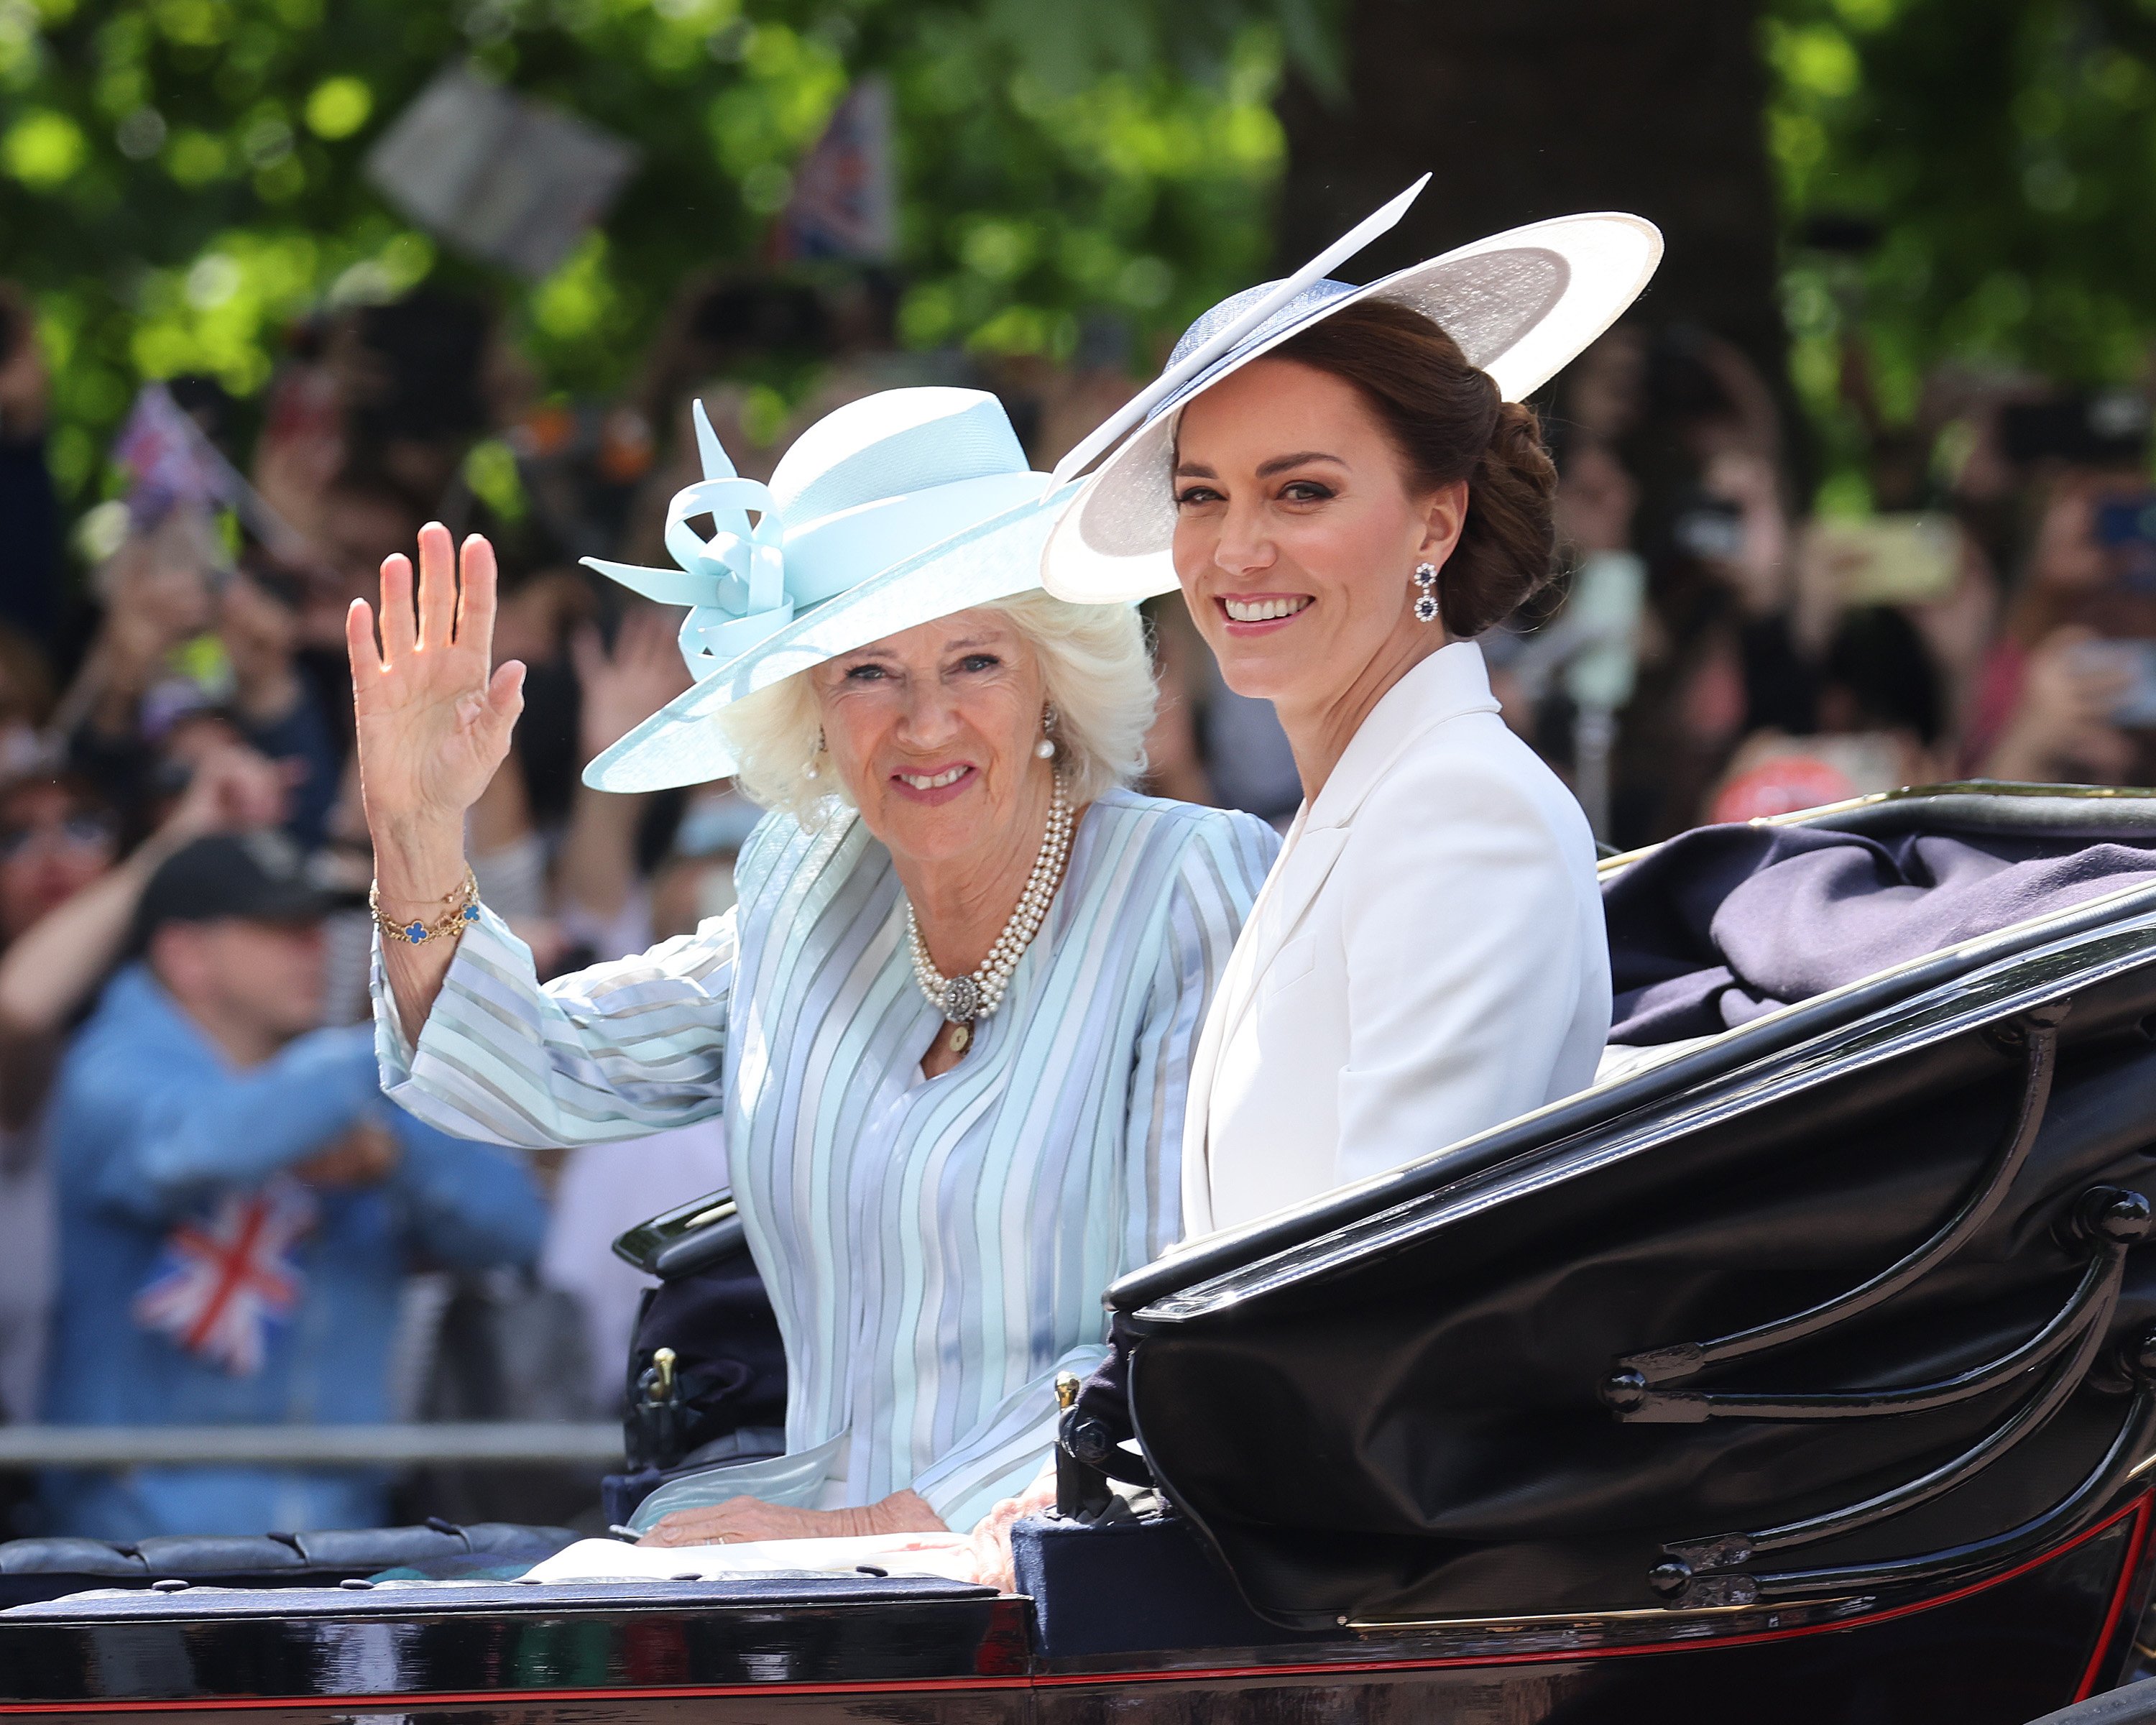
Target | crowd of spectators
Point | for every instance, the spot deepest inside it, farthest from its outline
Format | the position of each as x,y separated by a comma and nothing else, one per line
1980,601
184,1079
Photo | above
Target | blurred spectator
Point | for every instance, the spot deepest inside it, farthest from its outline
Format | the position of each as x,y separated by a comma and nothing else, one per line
2068,692
694,879
271,704
65,905
236,1216
26,705
152,657
29,549
413,378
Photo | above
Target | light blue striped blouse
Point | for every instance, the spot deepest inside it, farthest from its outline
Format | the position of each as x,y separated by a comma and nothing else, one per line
935,1248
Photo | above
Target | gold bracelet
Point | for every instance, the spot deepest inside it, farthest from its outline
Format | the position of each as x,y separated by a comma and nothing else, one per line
463,909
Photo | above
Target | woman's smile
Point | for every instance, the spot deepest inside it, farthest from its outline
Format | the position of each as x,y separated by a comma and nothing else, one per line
934,785
1257,613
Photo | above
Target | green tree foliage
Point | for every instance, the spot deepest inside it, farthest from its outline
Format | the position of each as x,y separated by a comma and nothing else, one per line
180,178
2004,150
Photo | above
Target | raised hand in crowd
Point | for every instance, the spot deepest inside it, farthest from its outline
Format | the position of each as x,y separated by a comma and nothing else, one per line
233,790
157,595
623,688
2061,730
619,690
433,714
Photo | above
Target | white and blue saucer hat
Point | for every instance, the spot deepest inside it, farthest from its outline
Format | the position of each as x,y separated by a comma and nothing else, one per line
1522,305
887,513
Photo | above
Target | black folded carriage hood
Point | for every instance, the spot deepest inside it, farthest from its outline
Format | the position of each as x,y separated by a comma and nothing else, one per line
1856,1290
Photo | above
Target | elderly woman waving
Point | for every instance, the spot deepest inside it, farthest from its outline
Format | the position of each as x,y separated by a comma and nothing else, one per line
949,1021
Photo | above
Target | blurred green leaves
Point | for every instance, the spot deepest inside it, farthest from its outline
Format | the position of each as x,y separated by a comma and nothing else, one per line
44,149
2001,155
339,107
181,179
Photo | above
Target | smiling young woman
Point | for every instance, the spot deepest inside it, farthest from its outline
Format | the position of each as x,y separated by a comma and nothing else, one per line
1352,508
1394,431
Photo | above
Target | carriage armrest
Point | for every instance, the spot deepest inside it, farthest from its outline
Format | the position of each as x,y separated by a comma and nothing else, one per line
690,1237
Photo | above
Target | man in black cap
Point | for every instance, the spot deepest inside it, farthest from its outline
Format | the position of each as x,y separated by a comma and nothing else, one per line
238,1205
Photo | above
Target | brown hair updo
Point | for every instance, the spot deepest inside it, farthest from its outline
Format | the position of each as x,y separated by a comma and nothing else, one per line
1445,418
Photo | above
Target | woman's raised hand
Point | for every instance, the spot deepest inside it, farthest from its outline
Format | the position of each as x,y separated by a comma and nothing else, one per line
433,714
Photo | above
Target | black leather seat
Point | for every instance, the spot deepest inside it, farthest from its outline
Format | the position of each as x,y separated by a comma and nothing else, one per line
196,1554
33,1569
70,1557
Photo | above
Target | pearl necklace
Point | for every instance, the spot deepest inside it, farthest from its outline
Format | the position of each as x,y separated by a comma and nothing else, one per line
965,999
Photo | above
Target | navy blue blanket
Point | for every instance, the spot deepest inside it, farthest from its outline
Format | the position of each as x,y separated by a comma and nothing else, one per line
1727,923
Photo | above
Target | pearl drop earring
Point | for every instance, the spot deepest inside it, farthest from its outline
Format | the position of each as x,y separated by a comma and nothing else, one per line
811,771
1045,748
1426,604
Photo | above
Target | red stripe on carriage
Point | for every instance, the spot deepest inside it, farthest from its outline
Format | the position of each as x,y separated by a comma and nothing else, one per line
2120,1594
2138,1510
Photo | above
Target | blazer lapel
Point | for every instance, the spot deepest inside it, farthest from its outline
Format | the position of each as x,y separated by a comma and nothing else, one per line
1288,893
1450,682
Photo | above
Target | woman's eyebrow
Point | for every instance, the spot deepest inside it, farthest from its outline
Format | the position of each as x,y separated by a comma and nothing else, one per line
1195,469
1280,464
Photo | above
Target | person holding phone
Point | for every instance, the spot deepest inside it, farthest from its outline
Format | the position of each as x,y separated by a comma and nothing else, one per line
2068,694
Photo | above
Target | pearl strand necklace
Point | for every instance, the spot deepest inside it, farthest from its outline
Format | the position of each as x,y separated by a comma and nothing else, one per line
963,1000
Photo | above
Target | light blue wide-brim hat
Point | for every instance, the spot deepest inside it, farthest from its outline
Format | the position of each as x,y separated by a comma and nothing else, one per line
1522,305
889,512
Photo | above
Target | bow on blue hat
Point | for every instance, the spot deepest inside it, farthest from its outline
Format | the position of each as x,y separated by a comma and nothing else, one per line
870,484
735,580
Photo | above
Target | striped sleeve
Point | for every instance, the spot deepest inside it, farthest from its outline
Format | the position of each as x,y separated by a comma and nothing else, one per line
621,1050
1220,872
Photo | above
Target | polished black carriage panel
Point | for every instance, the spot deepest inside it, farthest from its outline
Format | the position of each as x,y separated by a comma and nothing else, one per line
1993,1657
483,1643
1988,1655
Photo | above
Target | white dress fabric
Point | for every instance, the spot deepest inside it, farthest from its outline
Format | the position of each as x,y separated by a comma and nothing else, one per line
935,1249
1427,961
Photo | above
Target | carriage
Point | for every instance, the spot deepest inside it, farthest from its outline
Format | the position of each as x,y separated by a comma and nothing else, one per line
1805,1367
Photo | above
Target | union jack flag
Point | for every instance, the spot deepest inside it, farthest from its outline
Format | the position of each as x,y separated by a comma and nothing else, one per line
222,1281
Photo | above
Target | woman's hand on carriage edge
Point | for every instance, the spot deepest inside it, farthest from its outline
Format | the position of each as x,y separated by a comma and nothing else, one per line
985,1554
434,718
740,1521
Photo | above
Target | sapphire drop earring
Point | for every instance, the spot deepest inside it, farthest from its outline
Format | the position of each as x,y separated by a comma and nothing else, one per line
1426,604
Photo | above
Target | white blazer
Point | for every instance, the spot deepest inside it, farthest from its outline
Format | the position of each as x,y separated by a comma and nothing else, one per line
1426,961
